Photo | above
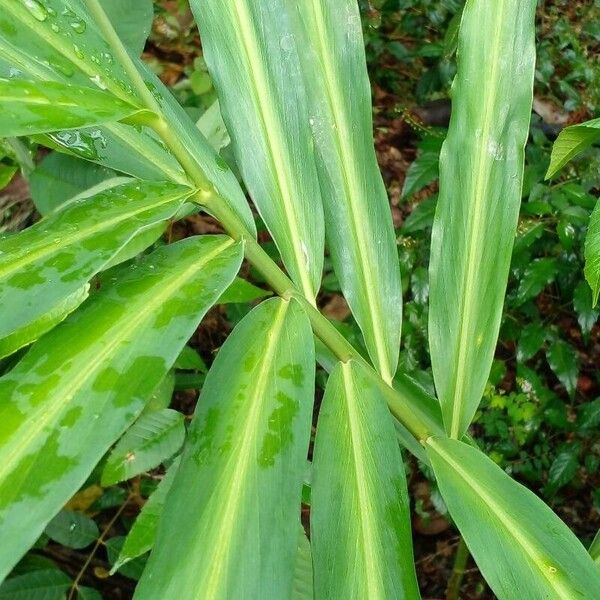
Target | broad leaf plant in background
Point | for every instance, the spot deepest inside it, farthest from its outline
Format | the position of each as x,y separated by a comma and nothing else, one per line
89,334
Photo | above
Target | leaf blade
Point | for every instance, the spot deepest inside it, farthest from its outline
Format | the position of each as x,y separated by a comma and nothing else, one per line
359,550
572,141
481,172
78,388
44,269
520,545
252,58
236,496
358,220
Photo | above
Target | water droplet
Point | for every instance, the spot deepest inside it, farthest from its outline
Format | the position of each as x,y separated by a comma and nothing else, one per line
72,527
108,57
78,25
55,27
36,9
286,43
14,72
97,80
78,51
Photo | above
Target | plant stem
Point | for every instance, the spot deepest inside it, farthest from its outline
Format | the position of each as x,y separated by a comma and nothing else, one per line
415,420
458,571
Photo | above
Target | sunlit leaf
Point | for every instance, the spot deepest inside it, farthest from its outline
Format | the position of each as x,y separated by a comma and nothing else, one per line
360,523
79,387
253,60
592,254
522,548
45,584
481,176
44,270
230,525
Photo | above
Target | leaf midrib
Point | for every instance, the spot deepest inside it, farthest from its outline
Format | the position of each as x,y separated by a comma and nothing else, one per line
503,517
369,548
352,193
271,130
44,416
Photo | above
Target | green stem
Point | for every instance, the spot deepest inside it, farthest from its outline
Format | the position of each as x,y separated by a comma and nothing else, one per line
458,571
416,421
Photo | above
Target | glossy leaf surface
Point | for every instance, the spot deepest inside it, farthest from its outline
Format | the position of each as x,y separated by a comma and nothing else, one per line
572,141
360,524
230,524
132,19
481,176
155,437
522,548
44,270
358,221
253,60
85,382
592,254
27,107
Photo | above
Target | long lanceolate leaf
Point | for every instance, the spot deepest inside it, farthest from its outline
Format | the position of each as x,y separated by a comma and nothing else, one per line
522,548
80,386
231,520
44,271
481,174
360,522
253,59
358,221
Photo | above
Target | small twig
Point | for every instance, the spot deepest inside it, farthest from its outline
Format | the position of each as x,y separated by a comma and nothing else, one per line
75,585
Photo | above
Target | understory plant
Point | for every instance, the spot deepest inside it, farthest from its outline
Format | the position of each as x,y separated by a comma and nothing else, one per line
90,330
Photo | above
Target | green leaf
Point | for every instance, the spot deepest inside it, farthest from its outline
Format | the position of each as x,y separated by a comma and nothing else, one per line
27,107
572,141
132,20
563,468
242,291
252,57
522,548
142,534
133,568
230,524
46,584
44,270
595,549
562,358
155,437
360,524
87,593
481,176
213,128
587,315
80,387
589,415
163,393
592,254
531,340
303,571
190,360
358,222
538,274
59,178
423,171
72,529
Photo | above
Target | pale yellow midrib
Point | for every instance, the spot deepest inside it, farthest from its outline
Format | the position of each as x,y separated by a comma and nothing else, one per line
352,189
39,419
259,81
68,240
504,518
65,48
370,550
474,235
38,101
221,555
